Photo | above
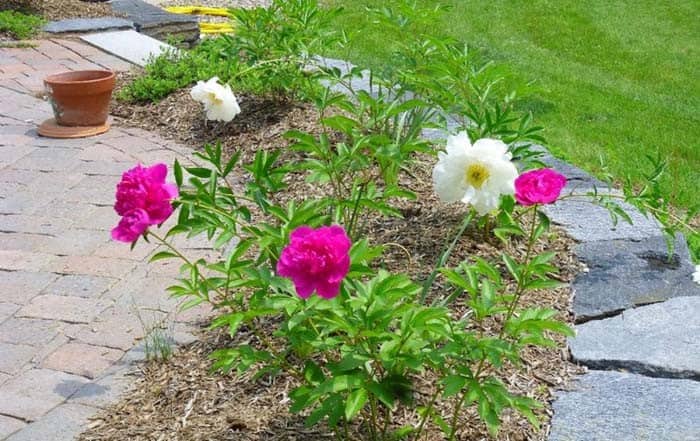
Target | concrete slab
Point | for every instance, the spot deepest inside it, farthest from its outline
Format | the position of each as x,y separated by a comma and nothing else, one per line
129,45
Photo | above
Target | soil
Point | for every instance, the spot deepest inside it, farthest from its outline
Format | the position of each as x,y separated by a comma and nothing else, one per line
60,9
182,400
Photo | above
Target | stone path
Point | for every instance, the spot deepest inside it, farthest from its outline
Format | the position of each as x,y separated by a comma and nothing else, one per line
72,303
638,330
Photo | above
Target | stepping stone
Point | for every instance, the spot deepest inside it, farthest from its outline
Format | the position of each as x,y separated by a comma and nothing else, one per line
620,406
577,179
629,273
158,23
129,45
659,340
587,222
79,25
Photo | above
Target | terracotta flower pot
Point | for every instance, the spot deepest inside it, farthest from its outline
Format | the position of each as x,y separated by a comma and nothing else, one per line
80,98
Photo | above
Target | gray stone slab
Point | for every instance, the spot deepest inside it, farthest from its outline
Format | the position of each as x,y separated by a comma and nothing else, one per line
607,406
77,25
624,274
129,45
587,222
661,340
158,23
578,179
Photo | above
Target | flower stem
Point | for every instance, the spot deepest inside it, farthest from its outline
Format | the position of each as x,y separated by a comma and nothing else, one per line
511,309
427,412
353,217
520,288
187,261
445,256
373,417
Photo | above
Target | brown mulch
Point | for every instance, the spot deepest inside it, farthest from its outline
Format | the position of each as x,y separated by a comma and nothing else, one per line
60,9
182,400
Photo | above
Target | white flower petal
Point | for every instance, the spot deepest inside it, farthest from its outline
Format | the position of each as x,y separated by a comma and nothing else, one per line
458,144
469,195
490,156
219,101
448,178
494,147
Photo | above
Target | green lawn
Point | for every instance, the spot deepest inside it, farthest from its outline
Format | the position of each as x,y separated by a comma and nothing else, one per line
612,80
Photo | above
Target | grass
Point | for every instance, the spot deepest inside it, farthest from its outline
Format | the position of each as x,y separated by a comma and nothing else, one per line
612,81
18,25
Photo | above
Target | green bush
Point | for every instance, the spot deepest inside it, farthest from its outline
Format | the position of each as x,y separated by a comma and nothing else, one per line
18,25
269,49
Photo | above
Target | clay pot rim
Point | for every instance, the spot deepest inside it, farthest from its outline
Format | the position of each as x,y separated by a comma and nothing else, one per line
56,78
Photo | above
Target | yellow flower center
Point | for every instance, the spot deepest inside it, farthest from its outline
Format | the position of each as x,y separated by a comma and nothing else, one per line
476,174
214,98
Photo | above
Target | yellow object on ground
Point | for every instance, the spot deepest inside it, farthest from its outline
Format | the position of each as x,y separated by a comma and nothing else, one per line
215,28
198,10
204,27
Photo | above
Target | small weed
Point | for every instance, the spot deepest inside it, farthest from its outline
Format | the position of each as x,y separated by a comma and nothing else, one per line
20,26
158,344
158,336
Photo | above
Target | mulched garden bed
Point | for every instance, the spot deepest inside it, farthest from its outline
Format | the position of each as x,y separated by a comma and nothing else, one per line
182,400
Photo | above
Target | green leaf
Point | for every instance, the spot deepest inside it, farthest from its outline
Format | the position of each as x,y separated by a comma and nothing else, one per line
177,171
199,172
382,392
313,373
163,255
543,284
488,415
513,267
453,384
354,403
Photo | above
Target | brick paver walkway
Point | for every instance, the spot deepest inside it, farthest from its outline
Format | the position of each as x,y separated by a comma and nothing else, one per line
72,303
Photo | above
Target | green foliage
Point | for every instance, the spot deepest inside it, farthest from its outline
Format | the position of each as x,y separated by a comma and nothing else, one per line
19,25
266,55
357,357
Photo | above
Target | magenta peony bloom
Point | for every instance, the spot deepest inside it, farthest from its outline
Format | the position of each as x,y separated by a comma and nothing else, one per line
131,226
316,260
145,188
541,186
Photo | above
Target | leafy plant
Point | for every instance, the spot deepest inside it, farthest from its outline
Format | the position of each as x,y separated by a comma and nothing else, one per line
19,25
266,55
357,356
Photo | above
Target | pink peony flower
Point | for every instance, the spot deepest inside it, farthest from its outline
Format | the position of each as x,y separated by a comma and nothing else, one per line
316,260
145,188
131,226
541,186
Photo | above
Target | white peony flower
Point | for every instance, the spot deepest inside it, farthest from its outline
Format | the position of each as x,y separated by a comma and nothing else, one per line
219,101
474,174
696,274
